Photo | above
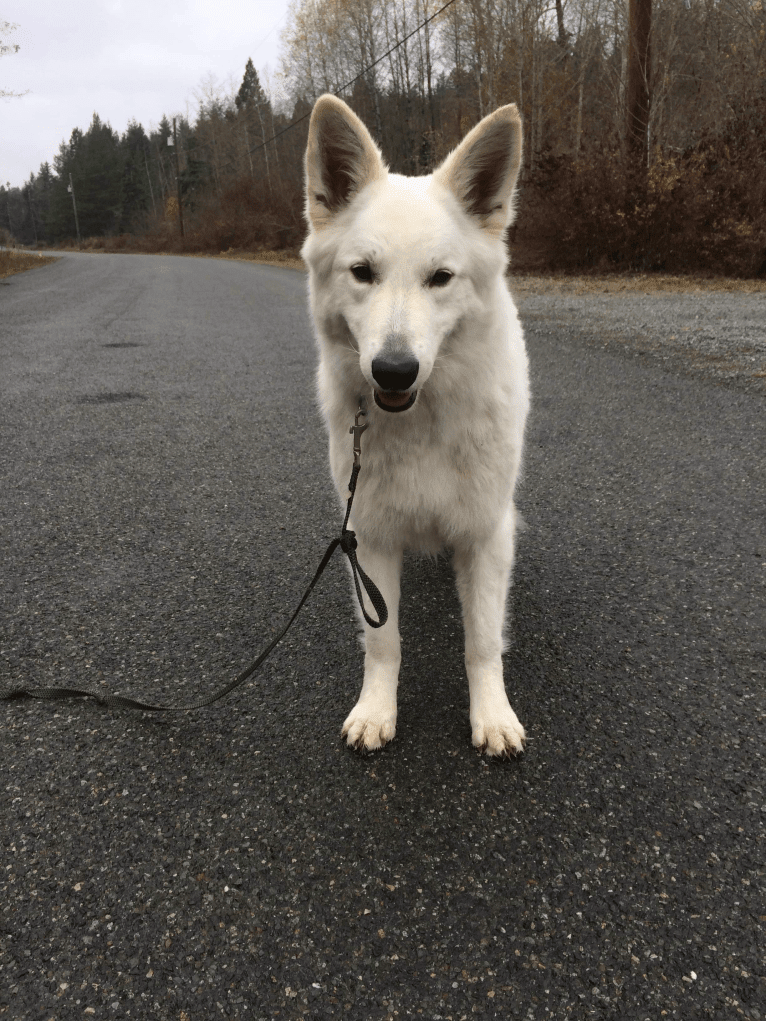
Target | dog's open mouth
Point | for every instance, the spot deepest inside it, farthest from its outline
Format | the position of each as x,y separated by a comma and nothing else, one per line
392,400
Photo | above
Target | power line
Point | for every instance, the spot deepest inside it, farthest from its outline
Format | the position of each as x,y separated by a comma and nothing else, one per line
270,32
342,88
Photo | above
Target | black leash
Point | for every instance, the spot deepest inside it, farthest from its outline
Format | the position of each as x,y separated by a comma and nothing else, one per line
347,542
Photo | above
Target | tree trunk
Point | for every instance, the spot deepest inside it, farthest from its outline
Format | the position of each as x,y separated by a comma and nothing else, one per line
563,34
578,129
428,71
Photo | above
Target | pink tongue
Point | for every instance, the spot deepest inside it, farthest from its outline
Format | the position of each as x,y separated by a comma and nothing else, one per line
393,400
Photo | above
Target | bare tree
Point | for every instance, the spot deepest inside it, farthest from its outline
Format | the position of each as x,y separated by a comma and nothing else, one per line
6,27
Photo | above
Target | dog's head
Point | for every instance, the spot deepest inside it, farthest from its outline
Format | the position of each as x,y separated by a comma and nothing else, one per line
397,264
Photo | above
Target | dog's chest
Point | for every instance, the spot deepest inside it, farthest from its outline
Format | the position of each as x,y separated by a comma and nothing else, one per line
428,495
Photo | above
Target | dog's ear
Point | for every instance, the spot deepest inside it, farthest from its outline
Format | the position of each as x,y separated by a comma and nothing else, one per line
481,172
341,158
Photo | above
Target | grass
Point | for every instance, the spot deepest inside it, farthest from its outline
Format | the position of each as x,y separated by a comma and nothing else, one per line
16,261
539,283
559,283
286,258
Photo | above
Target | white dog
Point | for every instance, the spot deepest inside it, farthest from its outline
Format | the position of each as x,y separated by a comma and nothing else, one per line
411,308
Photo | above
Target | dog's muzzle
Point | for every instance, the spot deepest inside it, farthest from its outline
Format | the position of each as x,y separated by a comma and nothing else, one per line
393,401
395,373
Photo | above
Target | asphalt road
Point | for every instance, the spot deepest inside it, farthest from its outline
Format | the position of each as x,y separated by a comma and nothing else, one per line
165,500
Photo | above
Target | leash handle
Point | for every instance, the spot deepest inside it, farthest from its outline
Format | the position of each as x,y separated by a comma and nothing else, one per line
346,541
348,544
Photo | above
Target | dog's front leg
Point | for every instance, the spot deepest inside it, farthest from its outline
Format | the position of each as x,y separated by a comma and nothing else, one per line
372,721
483,572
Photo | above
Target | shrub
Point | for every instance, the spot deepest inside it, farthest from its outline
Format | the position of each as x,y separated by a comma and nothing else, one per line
699,211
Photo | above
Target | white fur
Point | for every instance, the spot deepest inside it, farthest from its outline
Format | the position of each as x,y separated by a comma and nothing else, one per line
442,473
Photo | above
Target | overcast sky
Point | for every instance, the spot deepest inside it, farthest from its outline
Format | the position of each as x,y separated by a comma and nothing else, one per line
123,59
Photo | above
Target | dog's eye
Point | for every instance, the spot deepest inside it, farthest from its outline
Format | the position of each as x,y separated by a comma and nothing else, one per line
362,273
440,278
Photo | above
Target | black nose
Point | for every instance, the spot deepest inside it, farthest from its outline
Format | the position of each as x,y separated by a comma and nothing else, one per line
395,371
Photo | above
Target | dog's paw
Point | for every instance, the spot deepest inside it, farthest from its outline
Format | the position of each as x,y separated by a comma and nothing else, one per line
500,734
369,727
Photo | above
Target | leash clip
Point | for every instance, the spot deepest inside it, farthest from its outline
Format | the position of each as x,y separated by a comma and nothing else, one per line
357,430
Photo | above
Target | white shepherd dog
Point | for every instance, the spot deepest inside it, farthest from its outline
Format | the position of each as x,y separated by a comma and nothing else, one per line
411,308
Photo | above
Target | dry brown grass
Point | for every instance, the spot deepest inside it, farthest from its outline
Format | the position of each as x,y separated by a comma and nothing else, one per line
521,283
287,259
18,261
615,283
634,283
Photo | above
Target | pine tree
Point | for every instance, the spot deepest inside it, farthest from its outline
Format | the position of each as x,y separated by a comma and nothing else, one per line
250,90
98,202
60,219
134,146
43,189
94,160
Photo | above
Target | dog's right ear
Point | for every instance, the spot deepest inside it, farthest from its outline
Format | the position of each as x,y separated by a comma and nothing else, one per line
341,158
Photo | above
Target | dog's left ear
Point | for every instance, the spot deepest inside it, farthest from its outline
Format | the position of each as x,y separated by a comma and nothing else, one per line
482,171
341,158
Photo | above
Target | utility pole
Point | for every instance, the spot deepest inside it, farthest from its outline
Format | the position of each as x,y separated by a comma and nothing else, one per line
638,99
31,211
149,178
265,146
70,189
178,181
249,155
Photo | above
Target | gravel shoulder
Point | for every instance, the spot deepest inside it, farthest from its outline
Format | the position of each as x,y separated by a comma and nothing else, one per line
698,328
